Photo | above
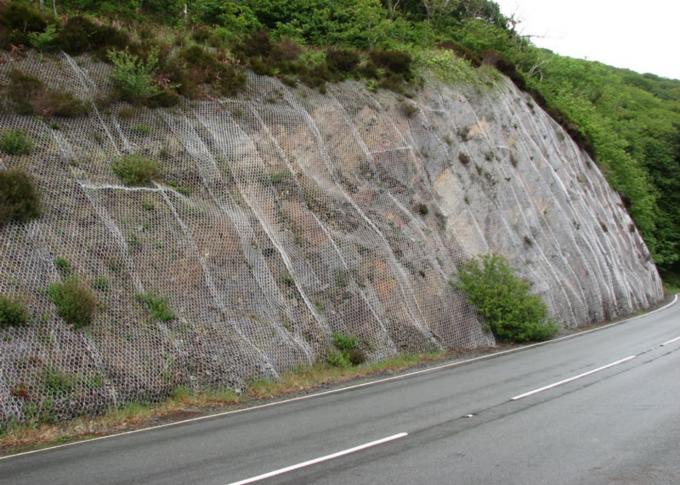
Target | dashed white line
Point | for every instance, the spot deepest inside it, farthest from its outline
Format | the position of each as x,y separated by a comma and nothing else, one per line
671,341
571,379
304,464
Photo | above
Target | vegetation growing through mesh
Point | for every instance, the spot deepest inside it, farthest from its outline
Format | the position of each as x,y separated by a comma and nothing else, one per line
346,353
15,142
136,169
503,301
28,95
13,312
75,302
19,200
133,77
157,306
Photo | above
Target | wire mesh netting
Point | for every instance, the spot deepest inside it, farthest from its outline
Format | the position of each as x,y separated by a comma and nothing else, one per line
286,215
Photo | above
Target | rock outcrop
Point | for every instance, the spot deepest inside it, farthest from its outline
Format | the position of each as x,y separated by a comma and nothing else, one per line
285,215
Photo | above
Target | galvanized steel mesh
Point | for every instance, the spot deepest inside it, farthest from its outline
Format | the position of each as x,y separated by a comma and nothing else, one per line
283,216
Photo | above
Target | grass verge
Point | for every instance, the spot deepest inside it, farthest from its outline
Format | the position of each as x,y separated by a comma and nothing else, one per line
185,404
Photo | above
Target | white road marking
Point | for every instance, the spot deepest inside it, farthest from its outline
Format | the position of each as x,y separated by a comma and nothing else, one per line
571,379
343,389
304,464
671,341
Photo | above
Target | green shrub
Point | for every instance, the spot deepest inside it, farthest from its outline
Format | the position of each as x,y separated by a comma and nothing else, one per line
19,199
15,142
101,283
141,129
464,158
193,69
57,382
63,266
133,77
75,302
20,16
59,103
157,306
342,60
503,301
44,40
257,44
338,359
397,62
344,342
356,356
287,279
136,169
347,351
285,51
29,96
12,312
18,21
79,35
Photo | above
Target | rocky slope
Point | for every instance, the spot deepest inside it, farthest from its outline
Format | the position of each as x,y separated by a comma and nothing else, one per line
285,215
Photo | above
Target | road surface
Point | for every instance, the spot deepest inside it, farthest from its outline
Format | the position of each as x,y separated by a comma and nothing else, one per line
599,408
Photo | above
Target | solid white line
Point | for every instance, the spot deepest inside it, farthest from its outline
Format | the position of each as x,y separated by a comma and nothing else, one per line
347,388
671,341
304,464
571,379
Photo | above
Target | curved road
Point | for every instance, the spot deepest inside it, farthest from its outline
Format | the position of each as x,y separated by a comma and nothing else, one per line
599,408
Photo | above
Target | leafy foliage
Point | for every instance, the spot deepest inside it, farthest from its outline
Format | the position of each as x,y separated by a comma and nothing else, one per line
347,351
44,40
75,302
19,199
344,342
134,77
12,312
503,301
135,169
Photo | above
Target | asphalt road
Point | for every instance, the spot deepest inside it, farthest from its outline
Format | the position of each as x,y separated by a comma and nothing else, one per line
603,407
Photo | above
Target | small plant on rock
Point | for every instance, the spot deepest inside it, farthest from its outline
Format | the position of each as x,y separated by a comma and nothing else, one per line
133,77
19,201
63,266
347,351
15,142
157,306
12,312
136,169
29,96
75,302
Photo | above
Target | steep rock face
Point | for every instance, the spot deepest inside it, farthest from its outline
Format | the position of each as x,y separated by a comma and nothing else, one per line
285,215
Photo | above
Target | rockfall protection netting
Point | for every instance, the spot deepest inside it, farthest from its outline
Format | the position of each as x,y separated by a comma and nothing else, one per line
283,216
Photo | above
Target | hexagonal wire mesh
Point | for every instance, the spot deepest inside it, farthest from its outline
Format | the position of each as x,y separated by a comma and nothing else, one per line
285,215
